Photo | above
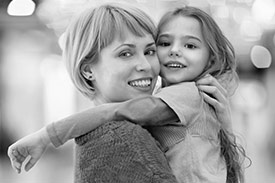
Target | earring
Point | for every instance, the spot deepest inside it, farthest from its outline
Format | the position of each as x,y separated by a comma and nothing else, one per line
91,76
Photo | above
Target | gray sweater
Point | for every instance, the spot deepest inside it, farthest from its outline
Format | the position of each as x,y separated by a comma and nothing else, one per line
120,152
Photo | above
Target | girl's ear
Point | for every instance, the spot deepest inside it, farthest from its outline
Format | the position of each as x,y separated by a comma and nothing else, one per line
86,71
211,61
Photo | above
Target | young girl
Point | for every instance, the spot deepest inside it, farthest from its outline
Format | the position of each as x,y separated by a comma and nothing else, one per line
199,149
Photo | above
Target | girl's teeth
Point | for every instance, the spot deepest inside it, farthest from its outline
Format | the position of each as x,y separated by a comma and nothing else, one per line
140,83
175,65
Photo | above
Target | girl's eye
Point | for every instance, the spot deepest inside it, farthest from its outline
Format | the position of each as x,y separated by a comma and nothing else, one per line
163,43
150,52
190,46
125,54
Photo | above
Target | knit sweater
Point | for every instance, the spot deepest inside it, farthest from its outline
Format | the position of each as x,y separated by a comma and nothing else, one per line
120,152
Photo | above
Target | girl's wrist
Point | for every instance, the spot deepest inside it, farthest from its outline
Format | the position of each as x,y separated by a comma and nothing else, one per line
44,136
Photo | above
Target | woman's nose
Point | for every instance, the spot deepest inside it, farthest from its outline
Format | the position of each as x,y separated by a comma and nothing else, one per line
143,64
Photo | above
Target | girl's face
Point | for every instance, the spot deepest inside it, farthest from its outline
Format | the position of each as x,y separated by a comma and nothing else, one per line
126,69
182,50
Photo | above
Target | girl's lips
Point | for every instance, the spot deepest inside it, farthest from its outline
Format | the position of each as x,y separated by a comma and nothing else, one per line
174,64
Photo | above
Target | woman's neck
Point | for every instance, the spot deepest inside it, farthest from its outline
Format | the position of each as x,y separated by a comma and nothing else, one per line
99,100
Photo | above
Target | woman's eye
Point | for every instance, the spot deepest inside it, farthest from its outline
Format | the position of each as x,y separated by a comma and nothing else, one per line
150,52
125,54
190,46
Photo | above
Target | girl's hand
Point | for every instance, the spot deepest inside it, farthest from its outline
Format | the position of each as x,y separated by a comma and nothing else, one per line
215,95
32,145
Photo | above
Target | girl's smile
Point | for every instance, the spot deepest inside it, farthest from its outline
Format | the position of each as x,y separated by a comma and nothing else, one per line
174,65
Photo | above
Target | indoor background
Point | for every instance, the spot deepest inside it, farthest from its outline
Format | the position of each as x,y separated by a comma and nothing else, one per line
35,88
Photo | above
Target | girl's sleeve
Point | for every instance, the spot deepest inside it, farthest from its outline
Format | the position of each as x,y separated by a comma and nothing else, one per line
145,111
184,99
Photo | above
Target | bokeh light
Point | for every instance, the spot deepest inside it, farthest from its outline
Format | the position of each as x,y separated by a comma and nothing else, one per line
260,57
250,30
21,7
263,11
240,14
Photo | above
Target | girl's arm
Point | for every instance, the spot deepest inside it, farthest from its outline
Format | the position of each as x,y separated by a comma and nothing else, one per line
145,111
32,145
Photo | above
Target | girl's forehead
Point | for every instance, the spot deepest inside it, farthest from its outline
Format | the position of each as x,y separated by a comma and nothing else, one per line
187,21
181,25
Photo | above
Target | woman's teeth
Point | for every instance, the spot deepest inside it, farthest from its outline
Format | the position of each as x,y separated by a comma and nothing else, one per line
140,83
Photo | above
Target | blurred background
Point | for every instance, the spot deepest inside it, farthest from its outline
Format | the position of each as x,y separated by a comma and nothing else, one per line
35,88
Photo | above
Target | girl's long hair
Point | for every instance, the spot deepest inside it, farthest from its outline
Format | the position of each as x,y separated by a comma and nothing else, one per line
223,68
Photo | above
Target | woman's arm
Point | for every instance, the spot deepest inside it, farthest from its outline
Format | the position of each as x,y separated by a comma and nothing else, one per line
215,95
144,111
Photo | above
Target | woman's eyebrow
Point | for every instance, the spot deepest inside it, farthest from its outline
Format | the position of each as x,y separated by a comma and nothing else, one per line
150,44
125,44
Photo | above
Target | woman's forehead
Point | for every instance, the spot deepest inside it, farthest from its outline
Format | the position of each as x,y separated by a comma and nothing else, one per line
128,35
130,40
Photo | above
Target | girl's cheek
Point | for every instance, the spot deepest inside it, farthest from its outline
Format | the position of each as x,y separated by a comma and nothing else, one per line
161,55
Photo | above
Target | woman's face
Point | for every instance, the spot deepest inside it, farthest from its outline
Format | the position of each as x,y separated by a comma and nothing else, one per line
126,69
182,50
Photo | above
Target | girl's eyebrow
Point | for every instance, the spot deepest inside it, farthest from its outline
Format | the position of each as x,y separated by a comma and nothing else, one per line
193,37
164,35
184,37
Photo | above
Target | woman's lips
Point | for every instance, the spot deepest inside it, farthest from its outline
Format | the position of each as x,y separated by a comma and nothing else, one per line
142,83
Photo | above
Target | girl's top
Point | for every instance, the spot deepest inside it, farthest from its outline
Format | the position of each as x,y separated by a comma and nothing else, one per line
191,143
192,146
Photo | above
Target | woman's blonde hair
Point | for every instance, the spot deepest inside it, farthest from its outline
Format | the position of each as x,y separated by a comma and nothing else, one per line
95,29
222,55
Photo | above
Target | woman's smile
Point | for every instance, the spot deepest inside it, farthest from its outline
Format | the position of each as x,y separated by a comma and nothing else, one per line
142,84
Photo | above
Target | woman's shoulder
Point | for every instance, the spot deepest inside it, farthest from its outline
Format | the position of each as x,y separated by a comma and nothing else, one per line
110,131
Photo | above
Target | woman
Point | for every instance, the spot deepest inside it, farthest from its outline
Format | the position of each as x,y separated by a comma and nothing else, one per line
115,62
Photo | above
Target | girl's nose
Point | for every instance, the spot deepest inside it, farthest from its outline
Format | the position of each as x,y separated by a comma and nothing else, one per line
175,51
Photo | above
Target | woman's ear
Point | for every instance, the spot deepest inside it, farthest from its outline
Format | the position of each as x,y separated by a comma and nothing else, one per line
86,71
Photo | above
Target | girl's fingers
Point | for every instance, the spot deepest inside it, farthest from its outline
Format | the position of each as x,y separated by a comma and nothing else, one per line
16,166
31,163
15,160
19,157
